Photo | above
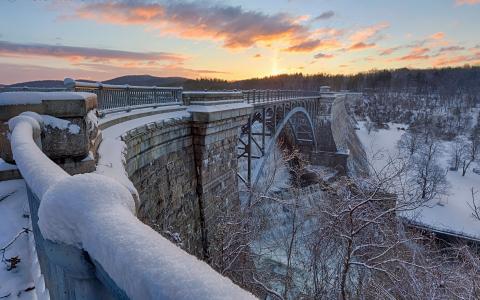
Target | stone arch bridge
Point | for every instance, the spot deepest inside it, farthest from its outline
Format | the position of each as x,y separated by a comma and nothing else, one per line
176,152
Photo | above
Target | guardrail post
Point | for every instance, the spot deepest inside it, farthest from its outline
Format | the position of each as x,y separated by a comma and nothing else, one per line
155,94
100,99
180,96
127,96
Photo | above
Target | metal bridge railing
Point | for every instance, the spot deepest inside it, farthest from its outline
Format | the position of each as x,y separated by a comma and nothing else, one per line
113,98
261,96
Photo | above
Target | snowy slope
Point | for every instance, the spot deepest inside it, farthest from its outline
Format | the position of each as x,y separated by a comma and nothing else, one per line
452,214
13,207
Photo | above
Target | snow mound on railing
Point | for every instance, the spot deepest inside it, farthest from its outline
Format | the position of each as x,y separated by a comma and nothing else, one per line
60,124
96,213
37,169
12,98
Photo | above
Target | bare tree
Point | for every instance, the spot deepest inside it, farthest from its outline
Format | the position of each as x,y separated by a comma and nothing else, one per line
456,152
474,205
410,142
471,150
427,174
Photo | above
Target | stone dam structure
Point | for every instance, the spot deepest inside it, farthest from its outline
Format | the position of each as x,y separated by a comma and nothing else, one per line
172,158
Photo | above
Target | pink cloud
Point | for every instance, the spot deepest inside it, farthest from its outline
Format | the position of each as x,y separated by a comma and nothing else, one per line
365,34
236,27
361,46
457,60
438,36
312,45
417,54
389,51
76,54
323,56
467,2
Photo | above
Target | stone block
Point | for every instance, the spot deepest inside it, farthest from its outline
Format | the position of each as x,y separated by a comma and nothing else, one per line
72,137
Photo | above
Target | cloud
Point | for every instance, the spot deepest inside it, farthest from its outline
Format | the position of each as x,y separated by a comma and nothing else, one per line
451,49
75,54
437,36
467,2
323,55
417,54
368,33
389,51
366,37
461,59
236,27
325,15
360,46
312,45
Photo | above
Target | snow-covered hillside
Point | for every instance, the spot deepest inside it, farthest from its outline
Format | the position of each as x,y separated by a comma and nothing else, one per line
451,214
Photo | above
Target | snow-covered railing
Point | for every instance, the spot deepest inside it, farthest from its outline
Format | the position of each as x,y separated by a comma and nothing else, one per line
260,96
113,98
90,243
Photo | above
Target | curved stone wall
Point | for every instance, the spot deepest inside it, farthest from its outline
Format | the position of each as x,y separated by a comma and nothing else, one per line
183,166
160,164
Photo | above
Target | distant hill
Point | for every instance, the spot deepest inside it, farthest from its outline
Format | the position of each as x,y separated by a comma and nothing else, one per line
147,80
39,84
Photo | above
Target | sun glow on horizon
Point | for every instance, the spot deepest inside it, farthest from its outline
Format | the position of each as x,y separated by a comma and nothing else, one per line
275,69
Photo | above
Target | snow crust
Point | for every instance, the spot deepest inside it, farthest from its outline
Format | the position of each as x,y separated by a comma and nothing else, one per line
96,213
12,98
215,108
60,124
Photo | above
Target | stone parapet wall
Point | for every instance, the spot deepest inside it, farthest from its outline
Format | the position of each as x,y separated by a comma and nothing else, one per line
184,170
160,163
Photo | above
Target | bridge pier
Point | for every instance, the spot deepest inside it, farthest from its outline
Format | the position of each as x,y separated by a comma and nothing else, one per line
216,119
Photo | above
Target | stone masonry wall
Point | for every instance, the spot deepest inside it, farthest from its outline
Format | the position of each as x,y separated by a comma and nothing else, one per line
215,145
185,173
160,164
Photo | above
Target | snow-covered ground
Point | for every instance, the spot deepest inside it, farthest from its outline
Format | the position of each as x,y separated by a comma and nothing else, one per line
4,166
452,214
14,217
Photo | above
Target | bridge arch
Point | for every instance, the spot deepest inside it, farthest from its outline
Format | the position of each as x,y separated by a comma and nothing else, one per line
278,130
